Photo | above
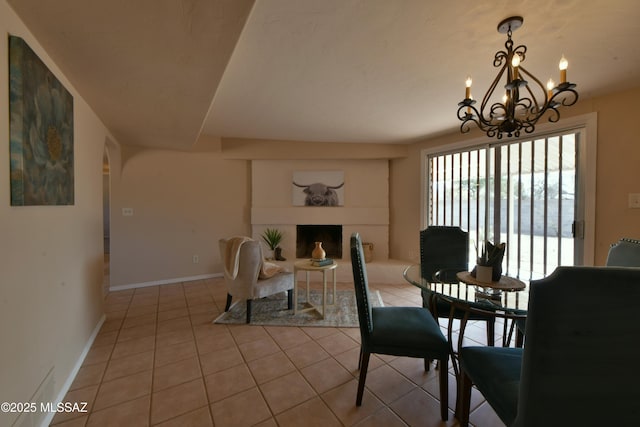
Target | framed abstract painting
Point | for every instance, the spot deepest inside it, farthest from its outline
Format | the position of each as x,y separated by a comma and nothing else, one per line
40,131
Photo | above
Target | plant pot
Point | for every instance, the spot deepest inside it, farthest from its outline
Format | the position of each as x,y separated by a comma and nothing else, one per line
484,273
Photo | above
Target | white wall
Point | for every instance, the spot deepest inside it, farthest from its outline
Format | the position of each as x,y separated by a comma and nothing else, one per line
51,257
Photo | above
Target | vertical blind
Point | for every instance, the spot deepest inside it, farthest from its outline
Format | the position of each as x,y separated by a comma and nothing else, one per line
522,193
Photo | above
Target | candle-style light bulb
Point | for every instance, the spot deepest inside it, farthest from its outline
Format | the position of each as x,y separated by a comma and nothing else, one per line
515,63
563,69
467,93
550,85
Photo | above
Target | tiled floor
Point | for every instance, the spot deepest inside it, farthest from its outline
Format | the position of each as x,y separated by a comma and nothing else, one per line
158,360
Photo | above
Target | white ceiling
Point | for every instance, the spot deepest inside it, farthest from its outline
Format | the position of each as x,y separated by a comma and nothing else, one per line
160,73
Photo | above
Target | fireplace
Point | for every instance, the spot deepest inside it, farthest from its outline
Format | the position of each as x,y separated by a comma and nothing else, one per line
329,235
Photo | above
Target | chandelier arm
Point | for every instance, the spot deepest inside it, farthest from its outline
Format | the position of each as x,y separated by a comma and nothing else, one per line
491,89
567,89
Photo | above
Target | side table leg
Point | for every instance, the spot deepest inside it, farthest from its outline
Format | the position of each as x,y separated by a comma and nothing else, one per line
324,293
295,291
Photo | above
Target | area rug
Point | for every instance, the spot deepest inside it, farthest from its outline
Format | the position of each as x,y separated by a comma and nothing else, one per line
273,311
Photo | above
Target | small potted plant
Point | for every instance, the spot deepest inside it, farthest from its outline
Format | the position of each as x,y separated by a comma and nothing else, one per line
489,262
484,271
273,237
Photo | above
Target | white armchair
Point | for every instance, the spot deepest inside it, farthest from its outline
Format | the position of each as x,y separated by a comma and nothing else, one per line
244,266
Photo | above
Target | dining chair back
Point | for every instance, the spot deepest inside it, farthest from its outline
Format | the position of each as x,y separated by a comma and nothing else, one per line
624,253
444,251
396,331
577,366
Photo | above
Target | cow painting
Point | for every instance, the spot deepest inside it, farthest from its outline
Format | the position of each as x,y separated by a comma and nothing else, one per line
319,194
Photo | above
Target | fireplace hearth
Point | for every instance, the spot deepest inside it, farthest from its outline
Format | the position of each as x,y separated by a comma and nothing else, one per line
329,235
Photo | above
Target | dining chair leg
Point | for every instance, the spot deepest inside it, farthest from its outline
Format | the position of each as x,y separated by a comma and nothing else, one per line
360,358
491,332
226,307
364,365
444,390
464,399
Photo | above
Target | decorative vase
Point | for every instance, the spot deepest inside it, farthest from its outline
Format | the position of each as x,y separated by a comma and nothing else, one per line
318,252
484,273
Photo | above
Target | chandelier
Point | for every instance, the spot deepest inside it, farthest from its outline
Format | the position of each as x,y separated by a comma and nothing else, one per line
523,104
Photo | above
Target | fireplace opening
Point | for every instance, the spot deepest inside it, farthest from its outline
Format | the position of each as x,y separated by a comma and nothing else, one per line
329,235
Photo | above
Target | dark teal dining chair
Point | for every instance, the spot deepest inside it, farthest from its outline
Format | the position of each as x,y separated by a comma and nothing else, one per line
444,251
396,331
578,364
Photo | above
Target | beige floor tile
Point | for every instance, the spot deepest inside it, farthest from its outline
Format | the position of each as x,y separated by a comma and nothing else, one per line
172,314
174,324
384,417
220,360
228,382
306,354
312,413
75,422
287,337
131,413
269,367
129,365
255,349
388,384
286,392
211,342
141,331
342,402
337,343
145,319
174,337
243,409
246,333
199,418
88,375
177,400
175,353
133,346
326,375
176,373
106,337
141,310
80,396
419,408
98,354
123,389
485,416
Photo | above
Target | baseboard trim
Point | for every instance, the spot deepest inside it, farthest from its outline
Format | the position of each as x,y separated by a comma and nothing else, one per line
163,282
72,375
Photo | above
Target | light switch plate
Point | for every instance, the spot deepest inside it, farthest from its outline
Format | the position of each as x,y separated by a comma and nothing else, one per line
634,200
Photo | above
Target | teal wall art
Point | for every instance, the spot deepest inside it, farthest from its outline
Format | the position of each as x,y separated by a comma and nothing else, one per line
40,131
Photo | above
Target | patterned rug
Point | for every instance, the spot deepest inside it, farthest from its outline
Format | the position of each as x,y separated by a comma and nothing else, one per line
273,311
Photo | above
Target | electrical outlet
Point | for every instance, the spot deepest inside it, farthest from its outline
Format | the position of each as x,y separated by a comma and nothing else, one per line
127,211
196,259
634,200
